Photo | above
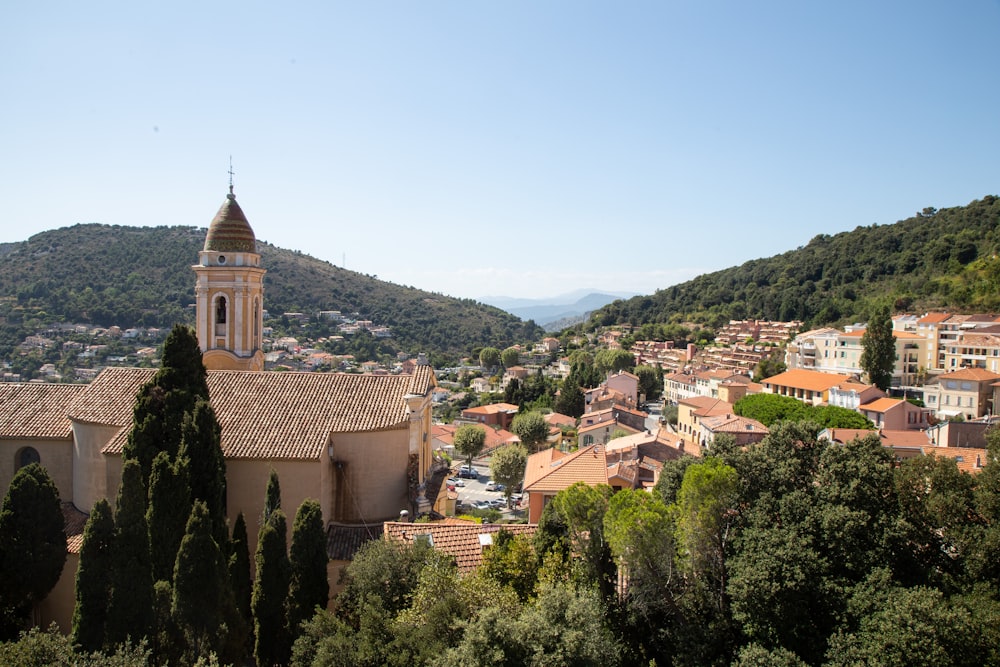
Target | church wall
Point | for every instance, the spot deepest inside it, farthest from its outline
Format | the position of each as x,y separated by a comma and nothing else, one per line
56,456
246,486
371,479
90,478
57,607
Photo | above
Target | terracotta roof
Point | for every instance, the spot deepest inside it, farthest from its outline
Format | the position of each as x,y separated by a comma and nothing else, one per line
968,459
460,539
229,230
588,465
74,521
845,435
974,374
800,378
268,415
539,464
343,540
36,410
730,423
882,404
557,419
491,409
933,318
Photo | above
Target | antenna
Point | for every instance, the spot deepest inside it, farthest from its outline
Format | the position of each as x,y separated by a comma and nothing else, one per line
231,174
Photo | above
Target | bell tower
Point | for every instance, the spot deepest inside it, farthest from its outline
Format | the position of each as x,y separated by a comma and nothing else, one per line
229,293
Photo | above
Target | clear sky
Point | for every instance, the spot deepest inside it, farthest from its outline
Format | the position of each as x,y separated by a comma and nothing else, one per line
515,148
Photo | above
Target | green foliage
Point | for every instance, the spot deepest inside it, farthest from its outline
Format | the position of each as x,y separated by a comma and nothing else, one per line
510,357
130,606
51,648
571,401
168,512
878,355
308,587
272,496
93,578
32,544
469,440
490,358
239,570
611,361
769,409
769,366
507,466
200,592
201,445
532,429
270,592
650,381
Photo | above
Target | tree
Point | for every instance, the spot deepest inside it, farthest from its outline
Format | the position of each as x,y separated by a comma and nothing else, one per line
200,593
650,381
532,429
32,544
611,361
239,570
272,495
201,444
130,606
168,512
93,578
469,440
510,357
878,355
308,589
490,358
507,467
270,591
570,401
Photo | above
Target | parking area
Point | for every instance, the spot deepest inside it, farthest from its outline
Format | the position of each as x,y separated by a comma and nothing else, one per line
479,491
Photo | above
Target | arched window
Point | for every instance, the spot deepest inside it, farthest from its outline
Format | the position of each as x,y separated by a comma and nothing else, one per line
220,316
27,456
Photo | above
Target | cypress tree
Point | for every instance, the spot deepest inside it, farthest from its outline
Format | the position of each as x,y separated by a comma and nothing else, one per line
878,356
201,442
167,514
130,609
272,497
309,587
32,544
200,583
239,570
270,591
93,578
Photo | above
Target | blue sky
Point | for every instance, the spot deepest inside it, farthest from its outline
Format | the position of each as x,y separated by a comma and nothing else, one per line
501,148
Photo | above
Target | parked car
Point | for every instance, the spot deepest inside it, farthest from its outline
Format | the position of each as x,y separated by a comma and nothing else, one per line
494,486
466,473
456,481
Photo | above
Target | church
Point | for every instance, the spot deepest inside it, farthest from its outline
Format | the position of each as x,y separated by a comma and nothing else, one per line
359,444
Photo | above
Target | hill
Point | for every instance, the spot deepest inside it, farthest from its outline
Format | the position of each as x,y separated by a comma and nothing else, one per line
937,259
549,313
141,276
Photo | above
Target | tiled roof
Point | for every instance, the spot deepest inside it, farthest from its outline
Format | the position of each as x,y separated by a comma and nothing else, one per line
882,404
229,230
933,318
974,374
539,464
36,410
460,539
491,409
74,521
733,424
588,465
800,378
558,419
269,415
968,459
343,540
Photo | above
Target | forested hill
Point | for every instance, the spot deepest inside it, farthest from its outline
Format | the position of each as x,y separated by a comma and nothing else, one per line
937,259
132,276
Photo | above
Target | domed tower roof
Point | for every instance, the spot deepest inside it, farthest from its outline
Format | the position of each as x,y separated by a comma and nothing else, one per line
230,231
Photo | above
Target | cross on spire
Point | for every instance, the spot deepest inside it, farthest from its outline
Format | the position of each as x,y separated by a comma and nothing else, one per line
231,174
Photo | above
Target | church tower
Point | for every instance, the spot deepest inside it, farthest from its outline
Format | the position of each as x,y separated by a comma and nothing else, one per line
229,293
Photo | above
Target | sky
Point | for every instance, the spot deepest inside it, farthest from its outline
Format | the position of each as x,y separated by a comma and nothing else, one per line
515,148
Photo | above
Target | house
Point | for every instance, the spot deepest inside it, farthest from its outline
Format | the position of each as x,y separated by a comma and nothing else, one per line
625,383
601,432
970,433
691,411
678,386
480,385
359,444
495,414
810,387
851,395
968,392
744,430
895,414
550,471
465,541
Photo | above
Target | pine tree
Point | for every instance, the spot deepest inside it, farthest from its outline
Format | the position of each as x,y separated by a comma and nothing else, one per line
93,578
270,591
309,587
130,608
167,514
200,587
202,436
32,544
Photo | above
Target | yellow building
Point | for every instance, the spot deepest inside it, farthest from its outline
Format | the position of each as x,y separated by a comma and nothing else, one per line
359,444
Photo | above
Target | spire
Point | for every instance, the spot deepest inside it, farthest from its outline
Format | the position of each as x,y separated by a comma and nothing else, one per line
231,195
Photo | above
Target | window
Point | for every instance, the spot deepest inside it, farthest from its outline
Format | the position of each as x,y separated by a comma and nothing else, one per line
27,456
588,440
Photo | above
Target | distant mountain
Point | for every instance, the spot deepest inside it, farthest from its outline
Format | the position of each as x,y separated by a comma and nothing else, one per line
141,276
573,306
938,259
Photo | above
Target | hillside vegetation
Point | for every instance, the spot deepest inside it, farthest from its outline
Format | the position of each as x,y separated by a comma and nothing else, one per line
141,276
937,259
